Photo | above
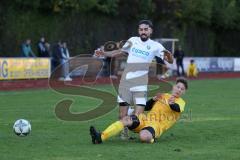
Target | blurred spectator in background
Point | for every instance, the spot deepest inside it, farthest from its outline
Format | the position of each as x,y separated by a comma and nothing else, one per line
179,55
48,49
192,69
41,48
60,57
97,54
108,63
26,49
65,62
56,54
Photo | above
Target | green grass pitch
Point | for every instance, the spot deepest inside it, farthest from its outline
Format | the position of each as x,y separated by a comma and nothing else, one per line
209,129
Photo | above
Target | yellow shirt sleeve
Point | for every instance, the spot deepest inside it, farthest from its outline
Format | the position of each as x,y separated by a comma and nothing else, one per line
181,104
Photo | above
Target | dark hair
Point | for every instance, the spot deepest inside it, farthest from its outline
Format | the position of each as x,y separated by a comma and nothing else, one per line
147,22
183,81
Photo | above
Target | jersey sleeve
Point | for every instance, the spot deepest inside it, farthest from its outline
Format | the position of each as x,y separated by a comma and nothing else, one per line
159,52
181,104
126,47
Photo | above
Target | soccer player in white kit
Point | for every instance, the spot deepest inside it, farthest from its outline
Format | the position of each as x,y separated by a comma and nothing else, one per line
133,84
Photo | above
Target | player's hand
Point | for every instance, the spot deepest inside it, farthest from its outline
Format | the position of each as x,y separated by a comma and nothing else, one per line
98,53
171,100
168,56
157,97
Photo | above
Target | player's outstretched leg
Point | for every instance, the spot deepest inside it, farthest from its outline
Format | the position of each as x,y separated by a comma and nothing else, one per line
112,130
96,136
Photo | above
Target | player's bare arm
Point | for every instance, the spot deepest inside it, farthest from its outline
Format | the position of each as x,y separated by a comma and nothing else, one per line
114,53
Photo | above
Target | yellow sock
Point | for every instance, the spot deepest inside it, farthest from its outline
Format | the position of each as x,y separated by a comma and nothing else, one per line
112,130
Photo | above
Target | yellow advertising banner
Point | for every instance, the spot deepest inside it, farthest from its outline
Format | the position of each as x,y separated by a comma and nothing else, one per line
24,68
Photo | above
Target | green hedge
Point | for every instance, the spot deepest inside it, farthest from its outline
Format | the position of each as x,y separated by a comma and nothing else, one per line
205,28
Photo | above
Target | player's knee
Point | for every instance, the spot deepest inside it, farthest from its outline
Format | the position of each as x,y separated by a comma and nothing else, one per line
145,136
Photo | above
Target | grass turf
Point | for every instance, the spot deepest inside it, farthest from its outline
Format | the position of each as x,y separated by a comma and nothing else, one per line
209,127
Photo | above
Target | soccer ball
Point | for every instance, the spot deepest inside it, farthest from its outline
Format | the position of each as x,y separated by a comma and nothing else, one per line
22,127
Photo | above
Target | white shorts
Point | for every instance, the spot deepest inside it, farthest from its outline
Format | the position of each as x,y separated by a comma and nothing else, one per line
132,97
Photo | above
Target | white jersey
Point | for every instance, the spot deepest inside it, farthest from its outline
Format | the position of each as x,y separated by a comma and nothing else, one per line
143,52
140,56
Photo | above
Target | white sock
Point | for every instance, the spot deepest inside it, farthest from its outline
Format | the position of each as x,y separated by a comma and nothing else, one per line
130,111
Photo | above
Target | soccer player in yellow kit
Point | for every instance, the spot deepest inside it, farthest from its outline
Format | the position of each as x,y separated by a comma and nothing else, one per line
192,69
164,110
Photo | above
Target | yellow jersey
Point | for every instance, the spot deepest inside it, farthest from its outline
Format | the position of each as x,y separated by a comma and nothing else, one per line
192,70
161,117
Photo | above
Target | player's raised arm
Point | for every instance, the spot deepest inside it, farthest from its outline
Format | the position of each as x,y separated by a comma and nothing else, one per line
168,56
114,53
113,49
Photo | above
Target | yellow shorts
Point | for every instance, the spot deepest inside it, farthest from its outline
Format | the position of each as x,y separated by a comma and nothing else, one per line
145,122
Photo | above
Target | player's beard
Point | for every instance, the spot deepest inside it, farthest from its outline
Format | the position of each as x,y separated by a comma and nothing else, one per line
144,37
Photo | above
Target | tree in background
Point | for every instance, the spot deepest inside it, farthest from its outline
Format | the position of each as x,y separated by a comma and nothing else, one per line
205,28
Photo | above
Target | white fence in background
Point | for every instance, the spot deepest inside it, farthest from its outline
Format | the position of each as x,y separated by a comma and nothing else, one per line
212,64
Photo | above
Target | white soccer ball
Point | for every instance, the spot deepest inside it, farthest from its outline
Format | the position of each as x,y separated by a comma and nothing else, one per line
22,127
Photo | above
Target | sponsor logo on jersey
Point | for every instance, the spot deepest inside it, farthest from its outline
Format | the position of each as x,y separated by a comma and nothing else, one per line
140,52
